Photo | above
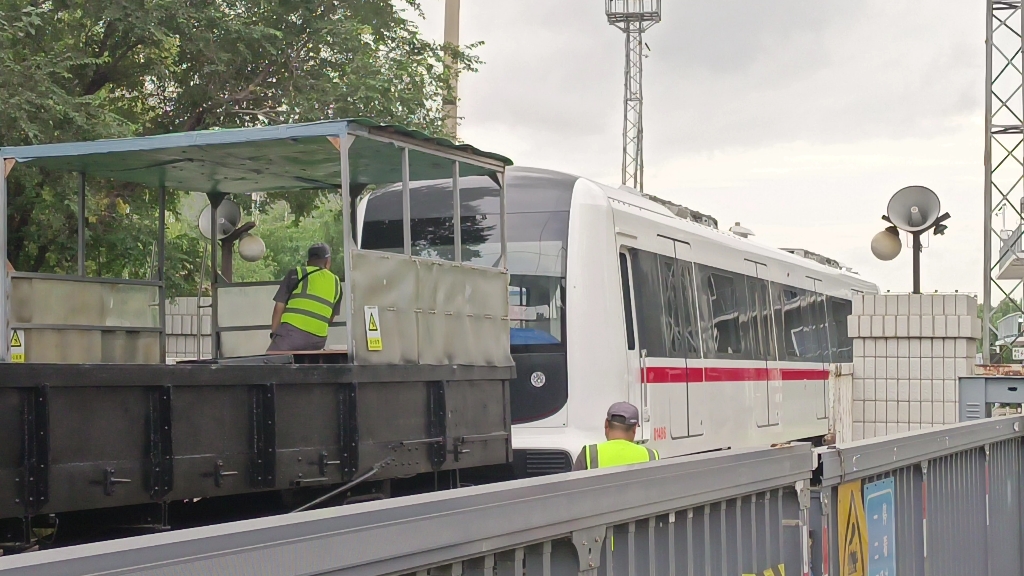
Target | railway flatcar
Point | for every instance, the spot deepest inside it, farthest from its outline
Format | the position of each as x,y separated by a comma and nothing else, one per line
720,341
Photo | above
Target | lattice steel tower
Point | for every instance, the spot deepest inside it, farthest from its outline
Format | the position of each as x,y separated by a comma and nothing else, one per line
634,17
1004,172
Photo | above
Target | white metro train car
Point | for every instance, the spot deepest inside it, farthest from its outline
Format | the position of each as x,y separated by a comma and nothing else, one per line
720,341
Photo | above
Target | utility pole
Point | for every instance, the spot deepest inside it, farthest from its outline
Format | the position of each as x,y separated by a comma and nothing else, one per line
451,36
634,17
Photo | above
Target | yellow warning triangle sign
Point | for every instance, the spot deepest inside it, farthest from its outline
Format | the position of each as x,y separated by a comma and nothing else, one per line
15,340
373,324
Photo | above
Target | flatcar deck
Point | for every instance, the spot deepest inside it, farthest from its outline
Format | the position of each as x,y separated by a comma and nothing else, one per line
81,437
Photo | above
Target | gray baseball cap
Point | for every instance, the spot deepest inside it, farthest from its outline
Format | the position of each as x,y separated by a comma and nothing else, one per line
624,412
319,252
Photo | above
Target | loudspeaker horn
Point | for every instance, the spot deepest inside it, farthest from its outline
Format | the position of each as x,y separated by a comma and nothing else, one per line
913,208
228,217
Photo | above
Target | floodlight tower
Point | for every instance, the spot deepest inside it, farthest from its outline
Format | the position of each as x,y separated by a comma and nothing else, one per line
1004,173
634,17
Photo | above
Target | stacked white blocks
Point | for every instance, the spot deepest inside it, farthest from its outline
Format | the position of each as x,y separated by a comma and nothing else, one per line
909,350
183,326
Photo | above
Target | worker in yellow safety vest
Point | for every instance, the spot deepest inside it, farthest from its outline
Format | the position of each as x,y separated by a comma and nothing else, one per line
308,299
620,448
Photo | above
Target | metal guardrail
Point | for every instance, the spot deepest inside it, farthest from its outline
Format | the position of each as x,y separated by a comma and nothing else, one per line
728,513
944,501
937,502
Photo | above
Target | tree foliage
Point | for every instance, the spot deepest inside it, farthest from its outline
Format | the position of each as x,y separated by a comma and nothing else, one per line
75,70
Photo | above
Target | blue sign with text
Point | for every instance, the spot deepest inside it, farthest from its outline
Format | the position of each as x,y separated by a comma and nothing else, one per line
880,512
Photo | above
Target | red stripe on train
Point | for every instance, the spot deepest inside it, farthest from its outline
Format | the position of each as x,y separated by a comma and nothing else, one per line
668,375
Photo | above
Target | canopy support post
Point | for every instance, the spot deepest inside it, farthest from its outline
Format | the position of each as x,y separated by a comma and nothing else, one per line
344,142
161,243
457,212
5,282
215,200
81,224
406,205
503,233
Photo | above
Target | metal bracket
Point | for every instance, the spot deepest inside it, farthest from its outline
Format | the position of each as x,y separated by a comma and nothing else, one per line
458,443
109,481
438,425
161,455
325,462
803,493
36,461
588,547
219,473
264,438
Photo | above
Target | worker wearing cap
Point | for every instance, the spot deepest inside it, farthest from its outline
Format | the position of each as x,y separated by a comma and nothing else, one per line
307,301
620,448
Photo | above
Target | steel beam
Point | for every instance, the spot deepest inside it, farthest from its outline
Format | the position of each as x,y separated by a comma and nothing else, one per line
5,281
81,223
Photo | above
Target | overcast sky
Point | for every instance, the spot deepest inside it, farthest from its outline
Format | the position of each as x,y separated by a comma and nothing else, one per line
797,118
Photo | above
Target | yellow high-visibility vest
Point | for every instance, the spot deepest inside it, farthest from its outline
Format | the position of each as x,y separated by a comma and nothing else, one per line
310,307
618,453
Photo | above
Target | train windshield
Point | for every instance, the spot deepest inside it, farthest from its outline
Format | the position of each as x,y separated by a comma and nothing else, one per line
537,207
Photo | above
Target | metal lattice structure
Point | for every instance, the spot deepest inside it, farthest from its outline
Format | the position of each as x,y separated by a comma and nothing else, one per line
634,17
1004,169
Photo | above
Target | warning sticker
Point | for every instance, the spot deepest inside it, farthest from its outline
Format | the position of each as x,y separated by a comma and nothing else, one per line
853,535
17,346
374,343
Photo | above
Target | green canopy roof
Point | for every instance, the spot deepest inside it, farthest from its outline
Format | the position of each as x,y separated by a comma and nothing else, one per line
265,159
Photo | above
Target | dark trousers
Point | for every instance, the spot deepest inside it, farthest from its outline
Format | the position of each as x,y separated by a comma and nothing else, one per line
288,338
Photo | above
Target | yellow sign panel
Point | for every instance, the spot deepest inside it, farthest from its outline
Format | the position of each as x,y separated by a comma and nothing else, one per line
17,346
853,533
374,342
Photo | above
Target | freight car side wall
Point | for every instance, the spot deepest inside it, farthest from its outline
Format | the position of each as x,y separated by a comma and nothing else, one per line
80,437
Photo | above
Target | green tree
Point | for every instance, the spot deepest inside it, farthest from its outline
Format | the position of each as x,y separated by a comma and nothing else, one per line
74,70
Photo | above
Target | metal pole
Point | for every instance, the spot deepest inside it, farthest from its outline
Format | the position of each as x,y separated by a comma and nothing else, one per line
344,142
503,232
406,205
986,336
917,262
215,200
81,224
5,282
451,36
457,219
161,240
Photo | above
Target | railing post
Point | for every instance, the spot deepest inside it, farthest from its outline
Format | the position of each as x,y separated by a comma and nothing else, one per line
924,516
803,493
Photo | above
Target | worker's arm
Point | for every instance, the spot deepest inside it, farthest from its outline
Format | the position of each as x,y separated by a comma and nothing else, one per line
581,461
284,292
275,322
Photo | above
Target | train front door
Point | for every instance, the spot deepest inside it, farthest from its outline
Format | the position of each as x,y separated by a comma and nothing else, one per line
636,378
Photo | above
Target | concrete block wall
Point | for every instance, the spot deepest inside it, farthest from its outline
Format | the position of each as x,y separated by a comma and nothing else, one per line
908,352
183,326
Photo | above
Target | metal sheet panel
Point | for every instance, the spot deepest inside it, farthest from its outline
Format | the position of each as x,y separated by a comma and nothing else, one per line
431,313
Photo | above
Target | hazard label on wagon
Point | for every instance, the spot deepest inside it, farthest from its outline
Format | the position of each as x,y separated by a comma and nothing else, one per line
17,346
374,342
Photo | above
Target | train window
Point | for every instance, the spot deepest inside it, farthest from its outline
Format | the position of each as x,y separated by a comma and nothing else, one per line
819,326
666,321
794,325
759,334
650,306
728,305
839,312
536,310
627,301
